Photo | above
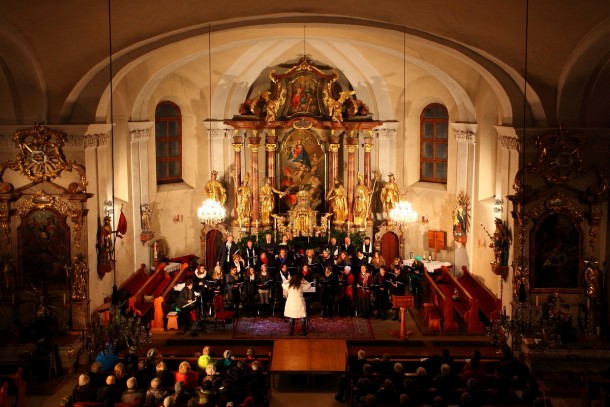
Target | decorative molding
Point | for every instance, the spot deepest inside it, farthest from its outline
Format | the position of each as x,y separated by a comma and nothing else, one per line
254,147
465,136
352,148
138,135
90,140
509,143
367,148
271,147
333,148
218,133
103,139
5,141
386,134
237,147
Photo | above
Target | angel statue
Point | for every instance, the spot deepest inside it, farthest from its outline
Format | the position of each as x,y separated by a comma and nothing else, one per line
215,190
335,106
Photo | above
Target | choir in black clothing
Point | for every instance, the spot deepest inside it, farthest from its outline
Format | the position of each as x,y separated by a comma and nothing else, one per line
354,277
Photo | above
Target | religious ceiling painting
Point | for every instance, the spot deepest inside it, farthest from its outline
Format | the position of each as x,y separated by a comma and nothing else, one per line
302,168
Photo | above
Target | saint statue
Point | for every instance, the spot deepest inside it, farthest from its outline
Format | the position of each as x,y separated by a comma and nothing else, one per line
244,202
337,199
215,190
501,240
105,245
267,202
145,213
390,195
361,203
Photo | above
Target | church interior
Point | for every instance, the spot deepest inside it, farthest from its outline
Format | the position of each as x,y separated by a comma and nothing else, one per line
139,143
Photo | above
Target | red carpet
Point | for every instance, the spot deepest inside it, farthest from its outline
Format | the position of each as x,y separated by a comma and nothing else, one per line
347,328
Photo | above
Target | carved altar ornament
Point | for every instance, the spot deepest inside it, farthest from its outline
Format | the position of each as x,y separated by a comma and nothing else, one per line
41,157
80,277
521,275
560,156
591,275
42,200
556,204
76,216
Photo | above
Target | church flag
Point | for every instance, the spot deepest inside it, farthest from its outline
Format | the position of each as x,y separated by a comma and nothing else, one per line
121,228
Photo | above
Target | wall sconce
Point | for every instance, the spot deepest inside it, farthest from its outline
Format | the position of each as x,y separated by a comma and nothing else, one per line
108,208
498,206
178,218
424,219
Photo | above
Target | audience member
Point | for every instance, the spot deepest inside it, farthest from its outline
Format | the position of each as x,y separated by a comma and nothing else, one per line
133,394
185,375
155,395
83,391
108,394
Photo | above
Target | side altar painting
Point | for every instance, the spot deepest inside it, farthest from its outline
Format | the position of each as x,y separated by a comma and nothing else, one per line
302,168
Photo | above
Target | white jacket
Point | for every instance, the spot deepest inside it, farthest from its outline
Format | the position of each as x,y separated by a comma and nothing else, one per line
295,303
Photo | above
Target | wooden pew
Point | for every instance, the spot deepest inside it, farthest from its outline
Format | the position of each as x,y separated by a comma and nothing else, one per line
489,304
466,305
153,287
15,379
160,311
131,285
441,303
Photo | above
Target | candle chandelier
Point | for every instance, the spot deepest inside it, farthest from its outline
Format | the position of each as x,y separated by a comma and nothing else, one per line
211,212
403,213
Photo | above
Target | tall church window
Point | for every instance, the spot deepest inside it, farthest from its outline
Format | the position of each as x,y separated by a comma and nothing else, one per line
434,122
168,143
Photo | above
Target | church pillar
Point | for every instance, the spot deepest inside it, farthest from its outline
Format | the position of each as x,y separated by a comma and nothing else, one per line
253,143
368,147
237,144
139,133
352,147
465,138
270,147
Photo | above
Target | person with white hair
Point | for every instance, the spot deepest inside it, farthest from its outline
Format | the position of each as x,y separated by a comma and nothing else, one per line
346,292
155,395
83,391
133,394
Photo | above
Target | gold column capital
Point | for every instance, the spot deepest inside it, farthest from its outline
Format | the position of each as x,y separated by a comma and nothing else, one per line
253,147
352,148
333,147
237,147
368,148
271,147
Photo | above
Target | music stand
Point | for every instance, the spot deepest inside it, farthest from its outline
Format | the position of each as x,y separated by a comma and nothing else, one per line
402,302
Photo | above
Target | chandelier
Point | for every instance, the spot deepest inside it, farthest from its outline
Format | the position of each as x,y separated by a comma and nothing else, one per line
403,213
211,212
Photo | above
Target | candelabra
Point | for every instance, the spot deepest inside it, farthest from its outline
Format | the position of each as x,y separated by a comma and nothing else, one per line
211,212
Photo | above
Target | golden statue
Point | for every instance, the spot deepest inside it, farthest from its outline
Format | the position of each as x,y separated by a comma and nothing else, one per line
105,244
244,202
337,199
390,195
302,217
592,280
333,105
80,276
215,190
267,202
361,203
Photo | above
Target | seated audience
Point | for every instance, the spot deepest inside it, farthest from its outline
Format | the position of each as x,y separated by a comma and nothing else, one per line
133,394
155,395
83,391
189,378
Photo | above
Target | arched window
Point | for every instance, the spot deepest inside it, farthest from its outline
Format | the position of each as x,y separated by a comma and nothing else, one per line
168,142
433,144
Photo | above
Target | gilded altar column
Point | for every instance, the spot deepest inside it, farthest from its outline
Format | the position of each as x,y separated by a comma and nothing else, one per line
237,144
352,147
368,147
253,143
333,159
270,147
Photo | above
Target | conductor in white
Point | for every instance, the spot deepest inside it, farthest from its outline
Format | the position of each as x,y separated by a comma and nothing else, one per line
295,303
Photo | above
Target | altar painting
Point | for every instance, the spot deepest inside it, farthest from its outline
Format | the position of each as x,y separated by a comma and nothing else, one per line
44,248
302,167
303,95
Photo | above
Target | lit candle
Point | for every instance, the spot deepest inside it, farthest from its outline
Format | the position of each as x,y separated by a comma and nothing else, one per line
536,301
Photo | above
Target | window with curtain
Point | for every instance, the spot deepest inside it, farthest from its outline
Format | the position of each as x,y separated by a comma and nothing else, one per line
433,148
168,143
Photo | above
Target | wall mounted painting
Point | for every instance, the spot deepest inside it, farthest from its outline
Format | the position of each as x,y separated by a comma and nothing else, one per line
302,166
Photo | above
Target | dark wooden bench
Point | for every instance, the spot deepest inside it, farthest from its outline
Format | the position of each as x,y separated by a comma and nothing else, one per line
159,301
465,304
440,316
142,300
131,285
489,304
